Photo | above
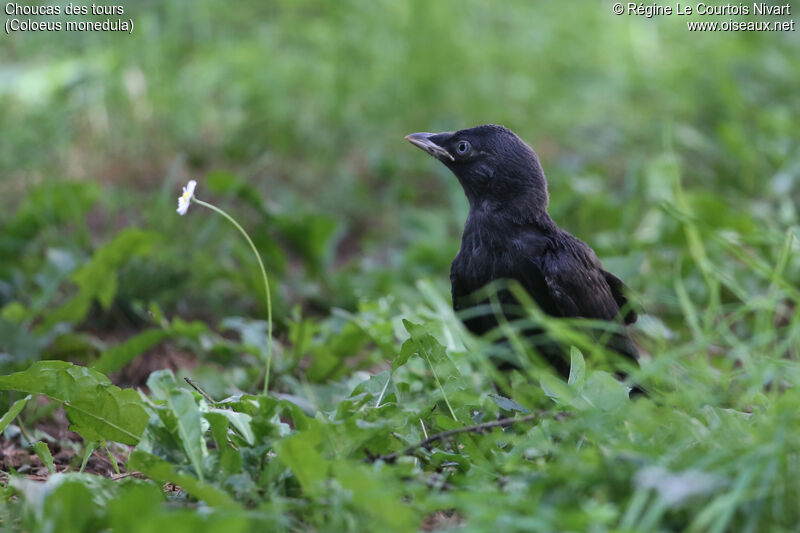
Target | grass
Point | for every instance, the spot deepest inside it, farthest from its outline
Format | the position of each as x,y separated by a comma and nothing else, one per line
673,154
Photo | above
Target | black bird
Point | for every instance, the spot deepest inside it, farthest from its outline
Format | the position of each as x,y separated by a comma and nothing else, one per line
509,235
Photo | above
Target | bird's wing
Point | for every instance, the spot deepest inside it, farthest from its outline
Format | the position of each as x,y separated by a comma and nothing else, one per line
618,290
577,290
580,289
574,280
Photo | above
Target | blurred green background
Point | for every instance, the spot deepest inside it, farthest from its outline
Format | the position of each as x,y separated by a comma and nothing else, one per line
674,154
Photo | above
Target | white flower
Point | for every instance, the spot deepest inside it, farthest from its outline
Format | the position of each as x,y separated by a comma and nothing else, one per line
186,198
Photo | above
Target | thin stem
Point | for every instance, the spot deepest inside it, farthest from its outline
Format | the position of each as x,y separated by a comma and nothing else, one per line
24,432
478,428
263,276
112,458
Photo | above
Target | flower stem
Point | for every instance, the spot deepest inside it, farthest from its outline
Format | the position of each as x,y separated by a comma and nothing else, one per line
263,276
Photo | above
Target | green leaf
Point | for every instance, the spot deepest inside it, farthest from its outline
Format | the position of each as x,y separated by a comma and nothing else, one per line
376,498
439,457
375,385
240,421
577,367
430,349
558,391
507,403
44,454
51,203
253,333
310,234
446,423
408,349
69,503
221,182
96,409
19,343
182,404
139,508
121,354
98,278
299,453
435,355
159,470
15,409
219,428
603,391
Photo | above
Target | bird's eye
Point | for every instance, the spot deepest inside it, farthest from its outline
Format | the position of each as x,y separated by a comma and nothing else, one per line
462,147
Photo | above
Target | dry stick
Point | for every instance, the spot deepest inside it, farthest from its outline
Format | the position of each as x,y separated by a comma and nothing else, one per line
425,443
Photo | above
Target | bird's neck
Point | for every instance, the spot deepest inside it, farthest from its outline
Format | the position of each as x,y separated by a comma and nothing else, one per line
505,214
494,226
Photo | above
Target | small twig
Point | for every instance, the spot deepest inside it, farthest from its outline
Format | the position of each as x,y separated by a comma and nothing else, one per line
203,393
478,428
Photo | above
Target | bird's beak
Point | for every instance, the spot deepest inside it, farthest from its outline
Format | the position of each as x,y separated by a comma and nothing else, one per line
426,142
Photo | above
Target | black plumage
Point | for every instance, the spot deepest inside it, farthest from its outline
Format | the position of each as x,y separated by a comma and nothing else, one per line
509,235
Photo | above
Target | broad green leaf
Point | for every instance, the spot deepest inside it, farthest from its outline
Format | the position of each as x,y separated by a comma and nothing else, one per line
44,454
603,391
69,502
51,203
408,349
187,415
577,367
375,497
97,409
19,345
439,457
328,362
240,421
310,234
299,453
430,349
446,423
555,389
375,385
219,428
15,409
507,403
98,278
159,470
121,354
140,508
221,182
252,332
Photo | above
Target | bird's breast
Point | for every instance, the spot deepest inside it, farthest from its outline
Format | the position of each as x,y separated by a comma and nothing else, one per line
483,260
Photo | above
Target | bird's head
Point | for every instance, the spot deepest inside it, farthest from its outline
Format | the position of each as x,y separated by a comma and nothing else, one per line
494,166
